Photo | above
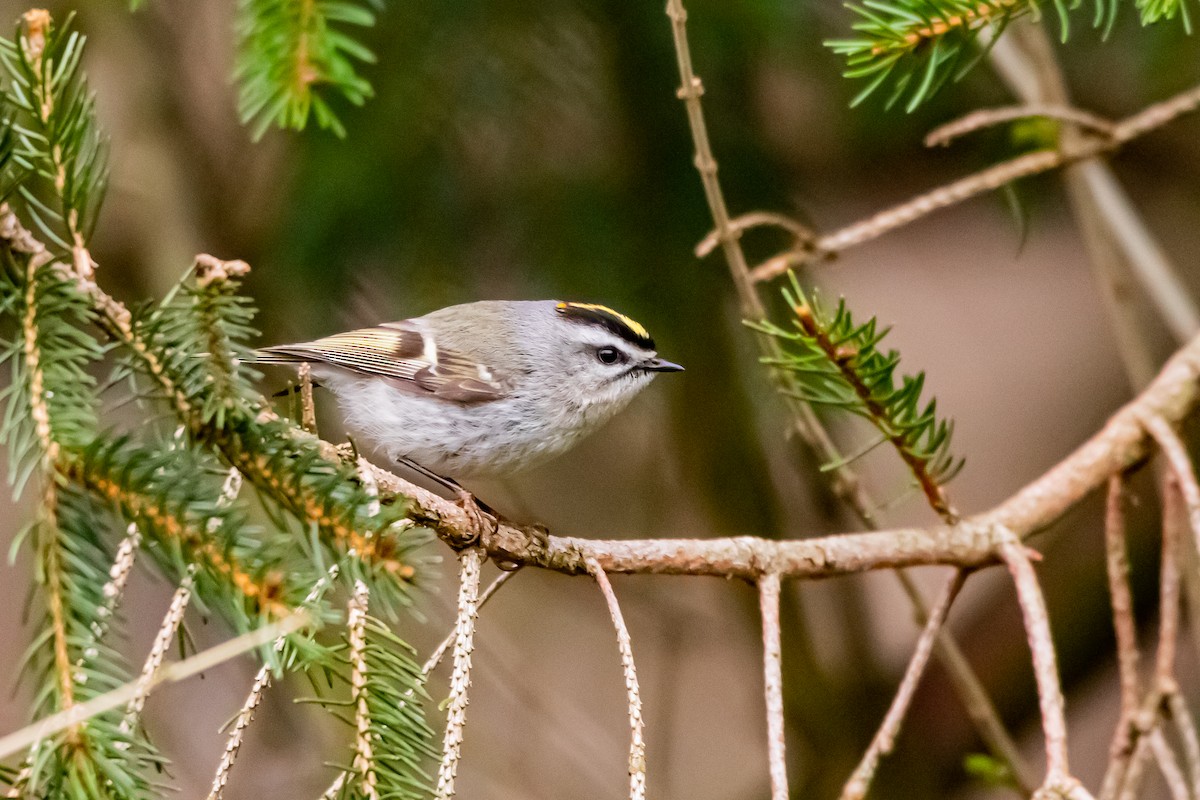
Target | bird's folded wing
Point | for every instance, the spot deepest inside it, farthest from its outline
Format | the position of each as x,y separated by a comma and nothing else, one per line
402,352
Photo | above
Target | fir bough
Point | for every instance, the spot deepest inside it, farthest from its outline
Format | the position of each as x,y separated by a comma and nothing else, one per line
914,47
160,485
293,54
837,363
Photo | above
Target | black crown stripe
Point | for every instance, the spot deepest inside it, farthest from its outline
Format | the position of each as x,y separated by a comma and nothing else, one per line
614,322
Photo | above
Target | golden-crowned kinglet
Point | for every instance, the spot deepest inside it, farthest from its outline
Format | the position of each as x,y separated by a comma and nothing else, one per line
482,389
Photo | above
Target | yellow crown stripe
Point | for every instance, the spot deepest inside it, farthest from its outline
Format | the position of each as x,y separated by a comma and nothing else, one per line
632,324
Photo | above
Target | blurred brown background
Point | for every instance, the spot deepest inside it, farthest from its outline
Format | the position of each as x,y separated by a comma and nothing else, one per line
537,150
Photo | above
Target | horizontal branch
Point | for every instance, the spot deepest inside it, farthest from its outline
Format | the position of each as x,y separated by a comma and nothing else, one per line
974,542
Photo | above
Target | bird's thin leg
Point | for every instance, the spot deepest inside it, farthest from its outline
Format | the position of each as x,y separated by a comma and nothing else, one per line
484,515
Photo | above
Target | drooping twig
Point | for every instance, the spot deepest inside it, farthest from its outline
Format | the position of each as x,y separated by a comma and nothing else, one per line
637,736
768,602
1180,464
1125,628
207,659
860,781
470,563
1168,765
158,651
1045,668
262,681
439,652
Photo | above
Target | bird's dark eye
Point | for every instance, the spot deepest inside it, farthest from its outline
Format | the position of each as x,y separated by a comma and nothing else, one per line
609,355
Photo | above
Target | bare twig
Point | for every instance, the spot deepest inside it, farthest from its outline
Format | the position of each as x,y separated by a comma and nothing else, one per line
1123,132
987,117
162,642
440,651
172,673
262,681
768,602
1045,663
1125,626
755,219
860,781
1180,464
637,737
1168,765
470,562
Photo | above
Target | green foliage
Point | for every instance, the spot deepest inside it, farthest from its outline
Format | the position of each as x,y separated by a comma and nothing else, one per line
96,759
990,771
58,141
914,47
187,354
837,363
49,327
293,53
400,738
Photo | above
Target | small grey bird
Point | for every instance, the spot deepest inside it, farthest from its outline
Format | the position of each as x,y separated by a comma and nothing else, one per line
482,389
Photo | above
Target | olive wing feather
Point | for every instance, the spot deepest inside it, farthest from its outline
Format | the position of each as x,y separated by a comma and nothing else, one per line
401,352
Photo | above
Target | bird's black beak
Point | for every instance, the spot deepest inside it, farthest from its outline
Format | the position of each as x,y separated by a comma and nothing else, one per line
661,365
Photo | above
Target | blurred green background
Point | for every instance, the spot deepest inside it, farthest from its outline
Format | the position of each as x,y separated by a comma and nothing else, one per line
522,150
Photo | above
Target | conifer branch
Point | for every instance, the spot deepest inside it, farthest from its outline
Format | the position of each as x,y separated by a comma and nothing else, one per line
262,681
839,365
293,53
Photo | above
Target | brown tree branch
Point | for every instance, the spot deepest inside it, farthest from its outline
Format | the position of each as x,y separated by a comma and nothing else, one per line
1121,443
1123,131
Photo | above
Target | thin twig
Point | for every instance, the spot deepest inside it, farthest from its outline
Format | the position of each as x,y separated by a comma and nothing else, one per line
470,563
440,651
1125,628
943,135
1045,663
1168,765
262,680
637,732
768,603
308,410
1185,727
880,223
755,219
158,651
1180,464
860,781
172,673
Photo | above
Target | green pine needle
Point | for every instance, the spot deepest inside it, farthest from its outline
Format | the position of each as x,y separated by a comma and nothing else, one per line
294,55
838,364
